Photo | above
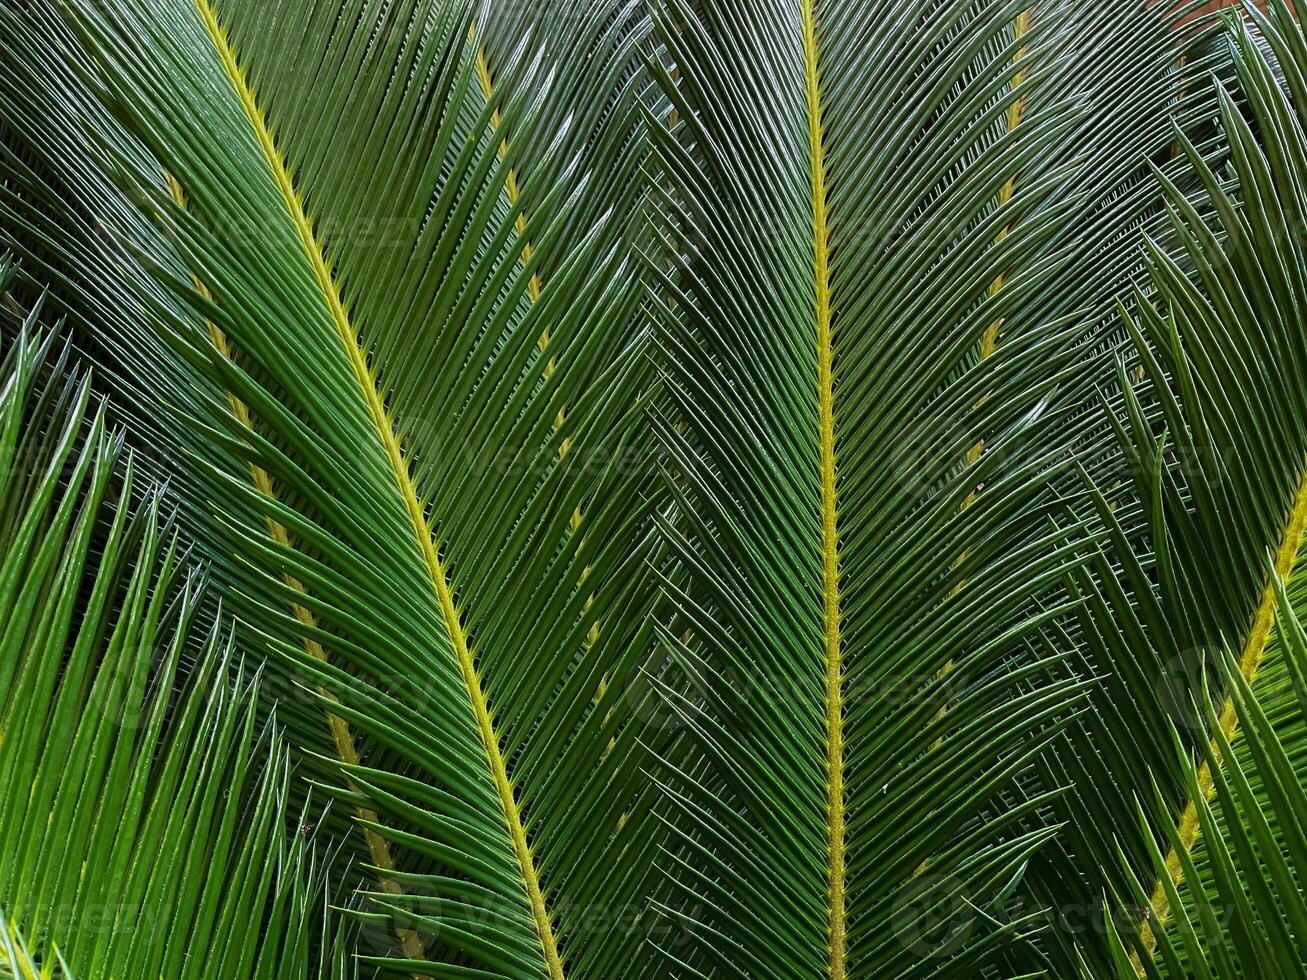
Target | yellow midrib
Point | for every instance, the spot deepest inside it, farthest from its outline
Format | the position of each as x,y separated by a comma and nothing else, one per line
511,185
534,289
835,858
1250,662
399,466
512,191
989,338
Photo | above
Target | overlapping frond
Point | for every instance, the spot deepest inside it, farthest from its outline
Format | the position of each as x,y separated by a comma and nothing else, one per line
719,488
1212,437
1228,902
143,821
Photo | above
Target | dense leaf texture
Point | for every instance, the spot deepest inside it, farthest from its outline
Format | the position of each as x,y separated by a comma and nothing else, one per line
716,488
439,513
144,828
1219,442
915,245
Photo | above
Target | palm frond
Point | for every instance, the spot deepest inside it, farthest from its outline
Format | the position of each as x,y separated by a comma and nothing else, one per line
143,820
1232,902
450,562
858,518
711,488
1216,486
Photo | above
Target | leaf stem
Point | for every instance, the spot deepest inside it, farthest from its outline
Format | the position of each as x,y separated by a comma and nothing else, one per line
835,858
341,736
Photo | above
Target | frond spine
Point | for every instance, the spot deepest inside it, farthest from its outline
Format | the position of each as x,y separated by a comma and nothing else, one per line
835,858
1250,662
341,736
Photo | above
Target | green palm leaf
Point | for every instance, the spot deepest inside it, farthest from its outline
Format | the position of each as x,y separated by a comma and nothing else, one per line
388,508
1218,487
744,488
144,828
863,206
1232,903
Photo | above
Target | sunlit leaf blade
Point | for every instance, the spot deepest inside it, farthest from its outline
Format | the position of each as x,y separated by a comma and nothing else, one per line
143,820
